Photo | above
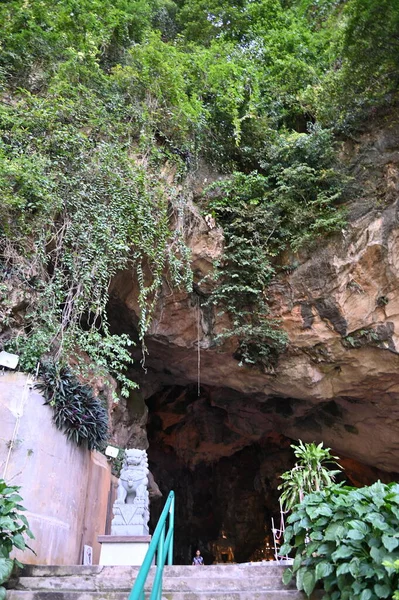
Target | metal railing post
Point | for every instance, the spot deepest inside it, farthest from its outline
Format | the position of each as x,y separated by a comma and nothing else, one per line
161,545
172,527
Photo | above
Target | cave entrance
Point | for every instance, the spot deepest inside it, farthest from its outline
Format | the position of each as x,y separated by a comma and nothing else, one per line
223,452
225,479
229,496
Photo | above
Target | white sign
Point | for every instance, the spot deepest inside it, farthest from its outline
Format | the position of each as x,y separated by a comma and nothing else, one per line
87,555
112,451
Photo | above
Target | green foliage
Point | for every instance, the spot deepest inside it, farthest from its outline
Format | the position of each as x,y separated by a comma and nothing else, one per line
13,527
310,473
293,202
36,35
77,411
363,337
347,539
366,67
77,211
395,566
107,107
159,79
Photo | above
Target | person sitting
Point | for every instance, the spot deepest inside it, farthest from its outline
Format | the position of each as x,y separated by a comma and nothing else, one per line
198,560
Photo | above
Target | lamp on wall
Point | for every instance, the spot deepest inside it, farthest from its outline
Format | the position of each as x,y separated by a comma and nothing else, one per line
111,451
8,360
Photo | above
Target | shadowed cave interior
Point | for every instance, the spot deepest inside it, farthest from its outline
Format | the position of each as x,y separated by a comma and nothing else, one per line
222,451
225,480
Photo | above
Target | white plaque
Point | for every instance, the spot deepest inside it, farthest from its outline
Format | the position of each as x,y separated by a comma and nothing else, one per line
87,555
8,360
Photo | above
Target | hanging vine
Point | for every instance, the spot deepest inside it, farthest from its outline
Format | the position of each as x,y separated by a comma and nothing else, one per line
72,219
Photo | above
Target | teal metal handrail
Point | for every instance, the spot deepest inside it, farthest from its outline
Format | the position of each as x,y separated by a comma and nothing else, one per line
163,546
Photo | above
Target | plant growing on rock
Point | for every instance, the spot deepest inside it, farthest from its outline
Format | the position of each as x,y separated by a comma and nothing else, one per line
348,539
13,527
292,201
77,210
310,474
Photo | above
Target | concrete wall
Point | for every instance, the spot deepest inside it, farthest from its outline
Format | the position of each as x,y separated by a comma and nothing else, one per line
64,488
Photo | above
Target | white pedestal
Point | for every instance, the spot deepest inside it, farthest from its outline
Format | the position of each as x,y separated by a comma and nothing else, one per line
123,549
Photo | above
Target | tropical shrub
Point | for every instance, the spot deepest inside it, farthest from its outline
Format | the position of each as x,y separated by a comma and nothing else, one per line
13,527
310,473
348,540
76,410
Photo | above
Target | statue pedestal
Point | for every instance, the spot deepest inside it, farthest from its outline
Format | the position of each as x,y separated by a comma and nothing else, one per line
123,549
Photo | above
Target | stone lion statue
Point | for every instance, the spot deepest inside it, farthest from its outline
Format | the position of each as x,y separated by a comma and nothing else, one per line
131,507
133,479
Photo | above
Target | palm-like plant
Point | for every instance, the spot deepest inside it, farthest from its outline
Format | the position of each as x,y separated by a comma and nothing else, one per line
310,473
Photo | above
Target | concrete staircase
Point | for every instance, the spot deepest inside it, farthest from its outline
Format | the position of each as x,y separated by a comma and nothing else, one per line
251,581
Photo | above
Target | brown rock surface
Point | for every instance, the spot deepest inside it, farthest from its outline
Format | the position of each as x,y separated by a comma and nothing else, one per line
339,379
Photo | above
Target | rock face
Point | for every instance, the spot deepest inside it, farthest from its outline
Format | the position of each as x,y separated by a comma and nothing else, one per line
219,433
339,379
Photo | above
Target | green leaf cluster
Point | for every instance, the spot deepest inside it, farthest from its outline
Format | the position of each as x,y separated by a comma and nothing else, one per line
13,527
76,410
348,540
311,473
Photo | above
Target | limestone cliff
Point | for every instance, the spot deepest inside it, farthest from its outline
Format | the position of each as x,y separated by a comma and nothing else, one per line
338,381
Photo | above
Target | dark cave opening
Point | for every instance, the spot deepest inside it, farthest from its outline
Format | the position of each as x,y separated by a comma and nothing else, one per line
225,481
222,448
237,495
223,452
223,457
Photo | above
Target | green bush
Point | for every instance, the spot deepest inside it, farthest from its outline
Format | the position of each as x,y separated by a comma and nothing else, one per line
13,527
344,538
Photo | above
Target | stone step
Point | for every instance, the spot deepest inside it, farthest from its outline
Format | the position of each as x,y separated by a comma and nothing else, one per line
251,581
252,595
232,570
170,584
